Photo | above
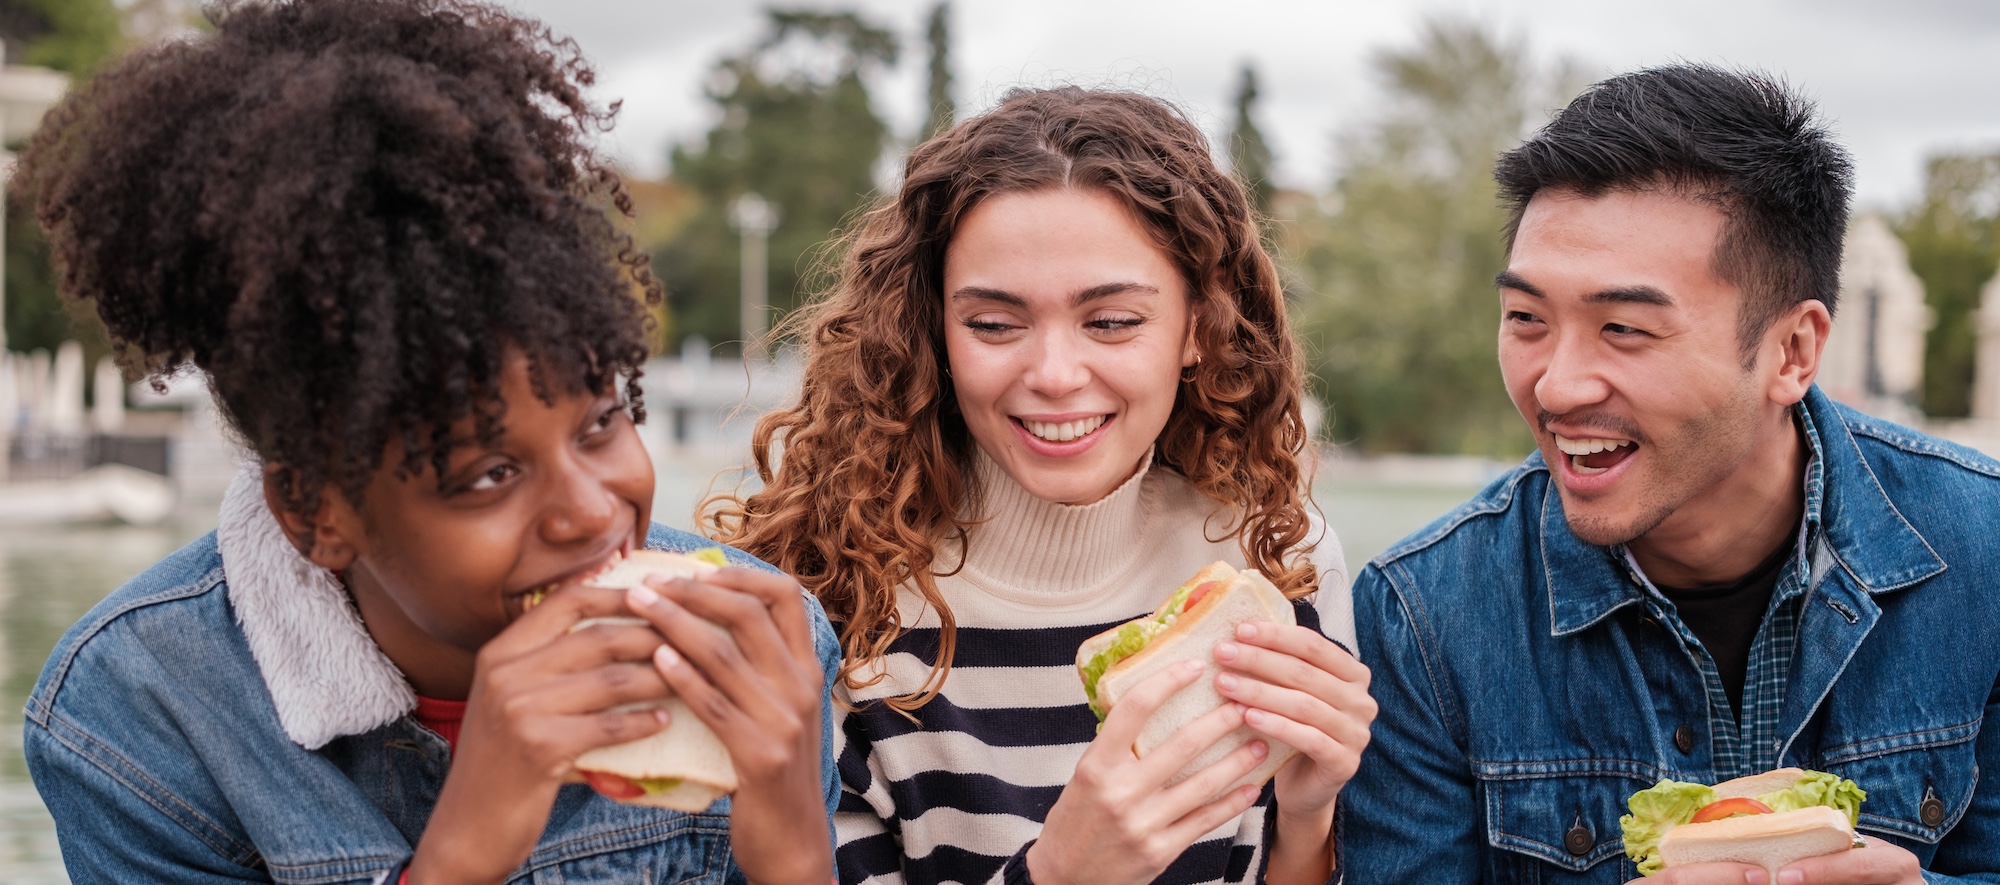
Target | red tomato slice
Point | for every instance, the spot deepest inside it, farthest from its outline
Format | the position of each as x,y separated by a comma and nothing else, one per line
1200,591
613,786
1729,808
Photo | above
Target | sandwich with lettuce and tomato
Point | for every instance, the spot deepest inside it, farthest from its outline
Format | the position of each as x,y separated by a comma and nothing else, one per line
1768,819
1200,613
684,766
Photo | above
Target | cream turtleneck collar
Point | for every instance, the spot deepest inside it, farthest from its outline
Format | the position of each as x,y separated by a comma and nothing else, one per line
1039,552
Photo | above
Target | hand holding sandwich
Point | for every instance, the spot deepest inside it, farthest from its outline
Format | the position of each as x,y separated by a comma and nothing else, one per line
541,696
1877,863
759,689
1123,819
1301,690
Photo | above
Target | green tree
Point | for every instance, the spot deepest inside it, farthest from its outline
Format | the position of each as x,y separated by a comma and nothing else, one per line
75,37
1401,255
797,128
943,110
72,36
1249,153
1953,237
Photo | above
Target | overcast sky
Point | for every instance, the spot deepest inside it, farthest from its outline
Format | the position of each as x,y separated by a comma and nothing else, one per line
1898,79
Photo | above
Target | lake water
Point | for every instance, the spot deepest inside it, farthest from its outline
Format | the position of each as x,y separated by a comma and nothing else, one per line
49,577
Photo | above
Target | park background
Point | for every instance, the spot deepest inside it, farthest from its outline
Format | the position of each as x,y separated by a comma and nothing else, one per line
1365,130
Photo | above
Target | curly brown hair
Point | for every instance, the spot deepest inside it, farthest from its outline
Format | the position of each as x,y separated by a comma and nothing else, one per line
347,213
872,464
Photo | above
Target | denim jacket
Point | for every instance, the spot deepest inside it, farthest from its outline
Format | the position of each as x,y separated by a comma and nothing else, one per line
169,751
1529,682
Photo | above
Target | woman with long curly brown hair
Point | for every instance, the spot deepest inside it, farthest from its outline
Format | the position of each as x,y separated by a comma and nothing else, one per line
1052,379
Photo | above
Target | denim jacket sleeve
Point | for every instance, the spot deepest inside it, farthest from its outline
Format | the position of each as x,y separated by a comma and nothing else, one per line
1410,814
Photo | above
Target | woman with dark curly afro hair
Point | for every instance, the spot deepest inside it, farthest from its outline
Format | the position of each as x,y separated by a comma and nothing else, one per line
1052,380
377,230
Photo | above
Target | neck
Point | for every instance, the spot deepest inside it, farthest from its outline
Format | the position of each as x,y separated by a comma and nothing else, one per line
1726,533
436,669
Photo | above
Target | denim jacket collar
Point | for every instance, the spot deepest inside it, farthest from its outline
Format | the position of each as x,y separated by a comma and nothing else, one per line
1845,507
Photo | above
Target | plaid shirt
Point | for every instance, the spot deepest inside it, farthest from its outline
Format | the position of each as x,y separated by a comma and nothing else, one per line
1748,743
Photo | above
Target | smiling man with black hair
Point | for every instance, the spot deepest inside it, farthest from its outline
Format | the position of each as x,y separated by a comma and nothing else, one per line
1709,569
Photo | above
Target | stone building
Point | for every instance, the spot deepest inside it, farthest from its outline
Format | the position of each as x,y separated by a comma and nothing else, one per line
1874,359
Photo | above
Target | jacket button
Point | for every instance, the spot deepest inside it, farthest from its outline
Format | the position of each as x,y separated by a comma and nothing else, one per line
1684,739
1579,840
1931,812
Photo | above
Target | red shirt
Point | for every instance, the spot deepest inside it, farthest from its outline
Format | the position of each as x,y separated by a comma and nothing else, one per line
442,717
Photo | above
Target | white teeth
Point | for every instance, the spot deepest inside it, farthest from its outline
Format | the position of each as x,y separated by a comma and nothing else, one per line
1575,447
1064,431
1576,463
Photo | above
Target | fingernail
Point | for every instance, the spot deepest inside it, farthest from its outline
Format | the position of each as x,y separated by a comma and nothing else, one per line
1791,877
666,658
1246,631
1755,877
1227,681
1254,717
1226,651
1191,666
641,596
660,716
1260,749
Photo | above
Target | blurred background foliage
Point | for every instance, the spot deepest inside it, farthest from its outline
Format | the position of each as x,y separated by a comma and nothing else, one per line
1390,268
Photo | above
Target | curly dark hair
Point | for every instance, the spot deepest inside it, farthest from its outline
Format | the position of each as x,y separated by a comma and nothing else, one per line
348,213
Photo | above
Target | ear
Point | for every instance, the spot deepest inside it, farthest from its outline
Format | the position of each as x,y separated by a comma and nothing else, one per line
333,531
1797,338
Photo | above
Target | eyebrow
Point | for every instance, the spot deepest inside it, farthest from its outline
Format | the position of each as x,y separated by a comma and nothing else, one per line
1101,290
1508,279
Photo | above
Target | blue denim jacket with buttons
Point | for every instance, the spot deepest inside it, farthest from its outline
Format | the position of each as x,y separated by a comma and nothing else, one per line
158,750
1528,686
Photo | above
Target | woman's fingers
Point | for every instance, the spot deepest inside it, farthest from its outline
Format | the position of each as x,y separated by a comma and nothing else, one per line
786,602
1201,820
715,649
1205,785
548,620
1190,740
1122,725
746,618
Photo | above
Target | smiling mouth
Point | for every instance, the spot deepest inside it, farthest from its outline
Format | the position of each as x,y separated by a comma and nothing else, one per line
534,596
1591,456
1063,431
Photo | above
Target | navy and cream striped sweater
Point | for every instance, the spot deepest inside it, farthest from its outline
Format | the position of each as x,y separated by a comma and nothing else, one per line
956,793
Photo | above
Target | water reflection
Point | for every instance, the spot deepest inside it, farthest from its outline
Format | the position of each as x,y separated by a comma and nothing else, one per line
50,576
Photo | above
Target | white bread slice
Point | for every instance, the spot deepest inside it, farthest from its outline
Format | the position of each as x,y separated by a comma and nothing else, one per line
1752,786
686,748
1247,597
1766,840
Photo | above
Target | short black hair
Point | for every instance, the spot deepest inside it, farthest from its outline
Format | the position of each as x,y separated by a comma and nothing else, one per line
1742,139
347,213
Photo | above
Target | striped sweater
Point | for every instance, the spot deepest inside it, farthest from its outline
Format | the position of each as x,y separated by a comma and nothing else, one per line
957,793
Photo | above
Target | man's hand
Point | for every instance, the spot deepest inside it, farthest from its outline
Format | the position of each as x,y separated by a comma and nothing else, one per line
1877,863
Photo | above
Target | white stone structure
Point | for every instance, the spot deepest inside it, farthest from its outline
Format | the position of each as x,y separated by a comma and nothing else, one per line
1874,359
1986,359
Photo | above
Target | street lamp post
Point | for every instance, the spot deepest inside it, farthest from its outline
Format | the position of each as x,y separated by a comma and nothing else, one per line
754,218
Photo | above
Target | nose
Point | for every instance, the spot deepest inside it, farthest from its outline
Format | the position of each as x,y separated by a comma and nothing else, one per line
1058,366
1573,378
580,506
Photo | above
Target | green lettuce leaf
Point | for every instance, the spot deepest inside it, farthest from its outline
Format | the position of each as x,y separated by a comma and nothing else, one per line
713,556
1131,637
1655,810
656,785
1819,788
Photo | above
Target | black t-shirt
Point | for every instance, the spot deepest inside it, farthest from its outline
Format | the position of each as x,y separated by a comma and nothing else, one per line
1725,617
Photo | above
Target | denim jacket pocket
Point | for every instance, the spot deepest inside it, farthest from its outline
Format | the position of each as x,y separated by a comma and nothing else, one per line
1555,821
1919,783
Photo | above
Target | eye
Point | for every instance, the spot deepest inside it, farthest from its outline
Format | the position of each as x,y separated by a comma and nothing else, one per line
1115,323
989,326
491,478
1520,317
1621,330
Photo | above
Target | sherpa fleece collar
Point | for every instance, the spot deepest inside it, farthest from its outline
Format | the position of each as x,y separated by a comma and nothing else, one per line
327,676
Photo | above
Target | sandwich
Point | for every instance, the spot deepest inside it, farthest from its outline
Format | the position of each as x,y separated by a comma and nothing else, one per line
1200,613
684,766
1768,819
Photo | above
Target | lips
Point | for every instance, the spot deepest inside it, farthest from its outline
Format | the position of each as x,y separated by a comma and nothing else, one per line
534,593
1064,431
